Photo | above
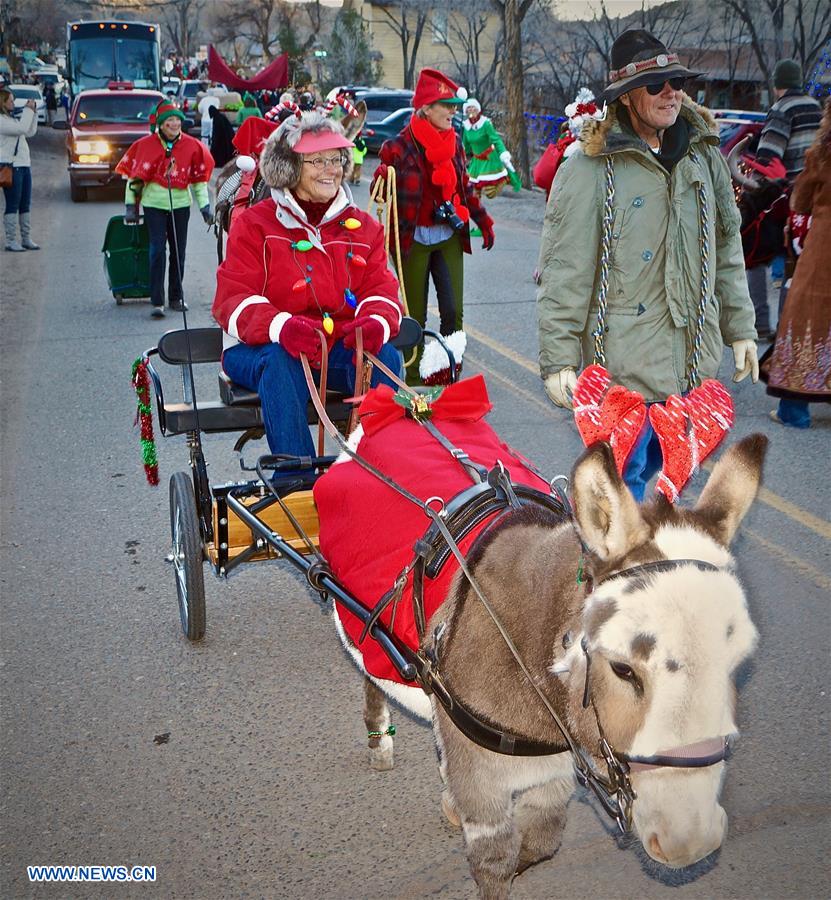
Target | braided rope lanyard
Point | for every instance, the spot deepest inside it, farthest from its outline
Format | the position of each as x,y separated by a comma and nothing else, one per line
601,328
384,195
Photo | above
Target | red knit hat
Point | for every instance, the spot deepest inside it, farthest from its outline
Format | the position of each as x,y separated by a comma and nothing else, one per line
163,111
435,87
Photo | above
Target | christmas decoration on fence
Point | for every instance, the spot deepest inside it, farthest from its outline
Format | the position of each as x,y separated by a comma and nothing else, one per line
543,130
144,416
819,84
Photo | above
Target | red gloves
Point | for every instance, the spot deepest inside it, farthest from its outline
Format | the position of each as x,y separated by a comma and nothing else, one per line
300,335
373,333
488,237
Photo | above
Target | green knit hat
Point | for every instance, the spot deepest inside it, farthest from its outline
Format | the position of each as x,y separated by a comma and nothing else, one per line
787,74
163,111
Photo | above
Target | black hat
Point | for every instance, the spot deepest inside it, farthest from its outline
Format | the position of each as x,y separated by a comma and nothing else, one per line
638,59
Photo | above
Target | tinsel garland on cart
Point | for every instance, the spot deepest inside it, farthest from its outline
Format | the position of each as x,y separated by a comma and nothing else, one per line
144,415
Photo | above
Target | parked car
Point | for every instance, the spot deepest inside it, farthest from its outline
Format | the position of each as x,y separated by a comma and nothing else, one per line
170,86
736,124
25,92
380,103
190,93
388,127
102,125
378,132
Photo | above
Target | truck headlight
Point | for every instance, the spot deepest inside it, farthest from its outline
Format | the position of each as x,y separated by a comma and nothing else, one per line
96,148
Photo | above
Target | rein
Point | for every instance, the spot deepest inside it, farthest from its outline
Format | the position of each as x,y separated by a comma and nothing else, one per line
495,491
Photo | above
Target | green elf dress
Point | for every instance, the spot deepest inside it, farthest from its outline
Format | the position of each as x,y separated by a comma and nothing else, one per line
489,162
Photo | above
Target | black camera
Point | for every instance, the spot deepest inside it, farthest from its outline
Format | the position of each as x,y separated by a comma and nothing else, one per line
446,212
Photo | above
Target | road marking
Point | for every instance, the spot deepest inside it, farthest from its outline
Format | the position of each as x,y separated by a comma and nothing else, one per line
804,568
768,497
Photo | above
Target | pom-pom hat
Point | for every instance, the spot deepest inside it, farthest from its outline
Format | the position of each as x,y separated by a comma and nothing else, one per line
639,59
435,87
163,111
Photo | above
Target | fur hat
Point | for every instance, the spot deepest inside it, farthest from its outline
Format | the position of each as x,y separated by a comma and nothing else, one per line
280,165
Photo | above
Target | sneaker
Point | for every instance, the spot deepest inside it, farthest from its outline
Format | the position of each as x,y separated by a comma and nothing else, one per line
15,247
157,312
178,306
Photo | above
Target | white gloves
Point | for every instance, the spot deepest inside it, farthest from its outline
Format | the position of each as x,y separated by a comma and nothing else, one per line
560,387
505,159
746,360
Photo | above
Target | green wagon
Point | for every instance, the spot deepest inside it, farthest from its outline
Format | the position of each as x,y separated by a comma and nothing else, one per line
127,259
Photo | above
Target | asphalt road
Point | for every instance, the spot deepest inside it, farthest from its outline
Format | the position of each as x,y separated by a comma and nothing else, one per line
262,789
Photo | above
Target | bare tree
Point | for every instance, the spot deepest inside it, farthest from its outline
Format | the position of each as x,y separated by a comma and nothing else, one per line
804,24
475,54
513,77
254,21
407,18
181,19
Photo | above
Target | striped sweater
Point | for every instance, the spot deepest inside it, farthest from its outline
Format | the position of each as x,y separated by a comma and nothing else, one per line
789,131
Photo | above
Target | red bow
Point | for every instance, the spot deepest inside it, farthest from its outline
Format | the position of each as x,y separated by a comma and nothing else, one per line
466,401
586,109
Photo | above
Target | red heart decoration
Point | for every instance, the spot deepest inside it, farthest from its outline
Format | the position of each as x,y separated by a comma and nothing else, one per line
587,396
710,408
689,429
627,411
615,415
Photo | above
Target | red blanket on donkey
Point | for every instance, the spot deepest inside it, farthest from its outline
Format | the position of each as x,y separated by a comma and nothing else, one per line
367,530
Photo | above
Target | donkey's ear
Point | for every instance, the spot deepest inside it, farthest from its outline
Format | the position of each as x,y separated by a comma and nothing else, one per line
353,124
732,487
606,512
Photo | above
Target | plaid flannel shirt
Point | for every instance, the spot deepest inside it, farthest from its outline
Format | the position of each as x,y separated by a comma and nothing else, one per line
406,156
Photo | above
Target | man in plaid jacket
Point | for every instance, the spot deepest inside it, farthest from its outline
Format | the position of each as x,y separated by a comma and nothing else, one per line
435,205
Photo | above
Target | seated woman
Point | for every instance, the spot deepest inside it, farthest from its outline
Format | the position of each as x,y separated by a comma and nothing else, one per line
304,261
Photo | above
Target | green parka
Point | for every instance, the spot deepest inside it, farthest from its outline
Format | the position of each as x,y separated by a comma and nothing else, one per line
655,262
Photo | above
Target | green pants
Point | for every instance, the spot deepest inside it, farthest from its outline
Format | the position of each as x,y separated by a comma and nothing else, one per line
445,263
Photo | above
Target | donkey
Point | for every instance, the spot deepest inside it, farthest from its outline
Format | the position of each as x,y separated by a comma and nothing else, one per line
653,646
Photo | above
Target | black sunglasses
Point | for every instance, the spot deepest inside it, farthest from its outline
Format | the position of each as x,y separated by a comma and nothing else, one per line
675,83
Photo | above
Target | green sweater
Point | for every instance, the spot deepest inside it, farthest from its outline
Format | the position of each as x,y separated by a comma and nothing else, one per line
156,196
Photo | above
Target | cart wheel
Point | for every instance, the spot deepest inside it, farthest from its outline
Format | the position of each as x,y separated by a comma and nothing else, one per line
119,299
187,556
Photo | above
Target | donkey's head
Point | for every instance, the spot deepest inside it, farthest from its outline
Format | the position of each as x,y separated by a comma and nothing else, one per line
664,629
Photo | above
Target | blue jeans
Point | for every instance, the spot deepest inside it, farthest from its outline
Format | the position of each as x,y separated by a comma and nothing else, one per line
644,461
19,195
794,413
160,225
278,378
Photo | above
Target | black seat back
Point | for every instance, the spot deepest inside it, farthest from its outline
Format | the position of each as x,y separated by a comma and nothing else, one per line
205,346
410,334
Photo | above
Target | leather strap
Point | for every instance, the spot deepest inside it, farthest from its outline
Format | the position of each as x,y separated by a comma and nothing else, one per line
324,375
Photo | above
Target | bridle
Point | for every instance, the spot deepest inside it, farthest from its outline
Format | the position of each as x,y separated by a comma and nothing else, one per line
614,790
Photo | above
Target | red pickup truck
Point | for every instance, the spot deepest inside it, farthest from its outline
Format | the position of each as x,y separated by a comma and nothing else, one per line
102,125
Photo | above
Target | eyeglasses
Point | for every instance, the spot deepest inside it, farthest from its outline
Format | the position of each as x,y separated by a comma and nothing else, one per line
321,162
675,83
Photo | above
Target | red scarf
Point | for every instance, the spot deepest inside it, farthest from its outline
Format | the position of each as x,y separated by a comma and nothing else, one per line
440,150
148,160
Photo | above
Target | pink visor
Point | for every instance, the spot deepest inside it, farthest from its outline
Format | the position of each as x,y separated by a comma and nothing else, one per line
315,141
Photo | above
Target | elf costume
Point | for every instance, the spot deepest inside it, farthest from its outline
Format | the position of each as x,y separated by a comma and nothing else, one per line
160,174
436,202
489,163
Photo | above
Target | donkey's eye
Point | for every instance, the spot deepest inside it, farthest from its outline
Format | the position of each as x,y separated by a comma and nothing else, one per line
623,671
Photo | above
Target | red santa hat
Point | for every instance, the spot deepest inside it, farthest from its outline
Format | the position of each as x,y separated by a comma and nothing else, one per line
435,87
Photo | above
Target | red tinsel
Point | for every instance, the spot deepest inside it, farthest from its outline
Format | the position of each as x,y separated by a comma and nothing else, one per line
144,416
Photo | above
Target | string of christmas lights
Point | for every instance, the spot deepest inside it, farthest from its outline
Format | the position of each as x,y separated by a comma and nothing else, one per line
543,130
819,84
